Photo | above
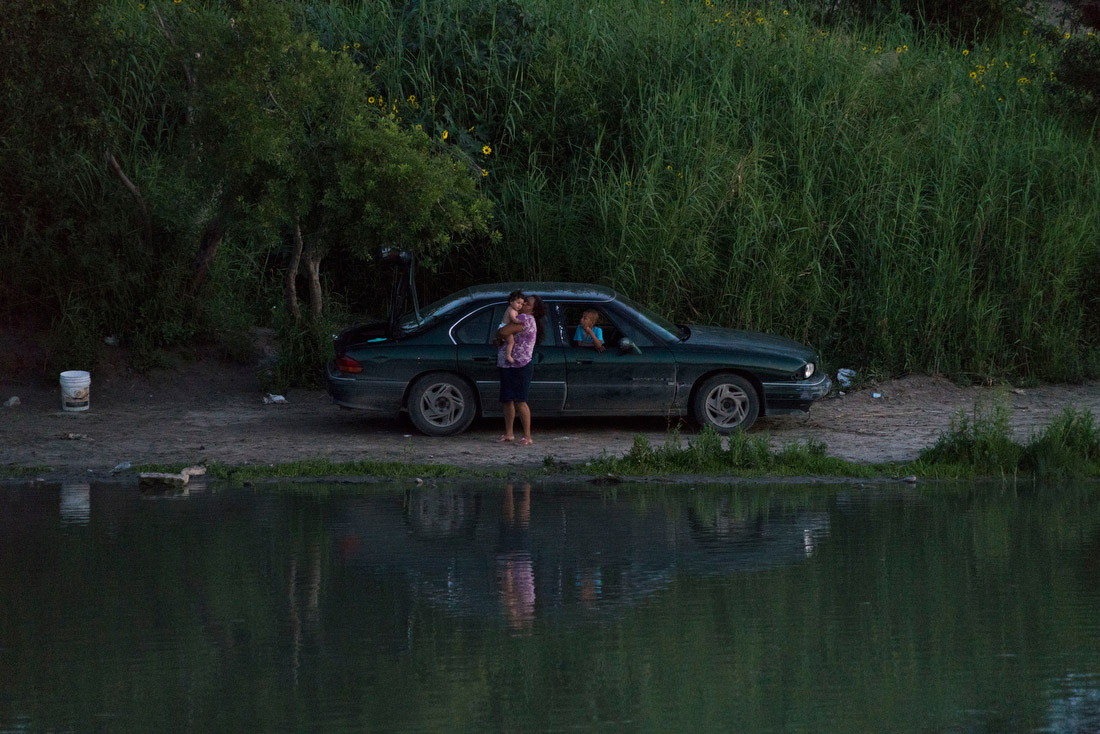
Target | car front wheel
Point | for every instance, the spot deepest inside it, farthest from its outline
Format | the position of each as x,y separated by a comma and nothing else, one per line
441,405
726,403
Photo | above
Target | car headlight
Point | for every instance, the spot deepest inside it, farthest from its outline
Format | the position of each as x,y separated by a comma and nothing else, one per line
806,372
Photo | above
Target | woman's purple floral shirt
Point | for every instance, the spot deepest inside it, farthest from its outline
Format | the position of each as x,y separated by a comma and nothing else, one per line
524,346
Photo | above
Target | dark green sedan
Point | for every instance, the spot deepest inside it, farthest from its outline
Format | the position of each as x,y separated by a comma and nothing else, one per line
439,363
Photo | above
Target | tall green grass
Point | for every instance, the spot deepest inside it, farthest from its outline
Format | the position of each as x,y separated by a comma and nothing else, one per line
898,200
893,198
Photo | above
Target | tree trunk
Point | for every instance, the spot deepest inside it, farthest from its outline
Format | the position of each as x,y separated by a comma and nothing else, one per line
146,220
290,286
208,248
313,267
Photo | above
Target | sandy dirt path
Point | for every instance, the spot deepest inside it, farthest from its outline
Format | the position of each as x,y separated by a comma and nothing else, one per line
211,412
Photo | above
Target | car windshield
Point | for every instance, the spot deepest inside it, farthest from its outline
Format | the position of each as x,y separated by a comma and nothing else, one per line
433,311
655,322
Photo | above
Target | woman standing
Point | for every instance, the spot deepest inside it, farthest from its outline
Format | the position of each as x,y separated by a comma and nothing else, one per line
515,376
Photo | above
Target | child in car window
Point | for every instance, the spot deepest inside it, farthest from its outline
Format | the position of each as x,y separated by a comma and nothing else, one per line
588,334
515,305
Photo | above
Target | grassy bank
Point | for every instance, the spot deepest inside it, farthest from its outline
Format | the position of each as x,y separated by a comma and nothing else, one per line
893,197
901,200
976,446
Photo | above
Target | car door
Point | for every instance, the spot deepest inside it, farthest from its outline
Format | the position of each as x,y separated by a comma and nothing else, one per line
477,358
616,381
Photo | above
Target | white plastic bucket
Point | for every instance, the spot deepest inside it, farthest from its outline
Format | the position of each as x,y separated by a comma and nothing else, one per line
76,389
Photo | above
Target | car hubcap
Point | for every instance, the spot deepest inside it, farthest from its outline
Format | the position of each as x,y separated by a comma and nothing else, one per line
442,405
727,406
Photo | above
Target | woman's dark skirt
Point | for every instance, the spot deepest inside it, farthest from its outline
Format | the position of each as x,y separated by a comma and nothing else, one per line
515,382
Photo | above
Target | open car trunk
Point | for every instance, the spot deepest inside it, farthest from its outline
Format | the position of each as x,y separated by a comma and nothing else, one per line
402,301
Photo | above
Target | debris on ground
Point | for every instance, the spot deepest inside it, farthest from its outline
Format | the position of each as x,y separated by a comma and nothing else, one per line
271,399
11,402
153,481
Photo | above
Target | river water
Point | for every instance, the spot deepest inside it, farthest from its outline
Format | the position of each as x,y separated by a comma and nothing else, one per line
490,607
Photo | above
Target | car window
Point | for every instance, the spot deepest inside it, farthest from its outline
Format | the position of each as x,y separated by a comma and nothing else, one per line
434,312
477,328
653,321
546,324
614,326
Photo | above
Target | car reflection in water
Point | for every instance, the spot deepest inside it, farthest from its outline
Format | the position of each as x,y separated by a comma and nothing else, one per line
522,553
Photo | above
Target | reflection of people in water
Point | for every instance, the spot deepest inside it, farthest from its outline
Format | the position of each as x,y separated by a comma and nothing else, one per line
515,573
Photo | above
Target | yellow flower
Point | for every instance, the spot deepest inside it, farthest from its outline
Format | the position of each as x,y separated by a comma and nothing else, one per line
966,52
486,150
668,168
357,44
1023,80
370,100
484,172
973,75
141,6
785,13
419,127
738,43
177,2
1067,35
470,129
412,98
446,135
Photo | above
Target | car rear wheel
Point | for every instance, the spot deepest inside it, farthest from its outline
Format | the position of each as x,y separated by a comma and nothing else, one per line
726,403
441,404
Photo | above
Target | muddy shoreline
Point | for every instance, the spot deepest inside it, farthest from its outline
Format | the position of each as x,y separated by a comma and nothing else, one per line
210,412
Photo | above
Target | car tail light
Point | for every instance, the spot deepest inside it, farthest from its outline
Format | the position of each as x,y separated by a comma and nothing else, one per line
344,363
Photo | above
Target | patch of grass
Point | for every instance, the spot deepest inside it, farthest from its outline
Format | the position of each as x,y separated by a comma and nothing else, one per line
981,441
1069,447
976,445
10,471
311,468
738,454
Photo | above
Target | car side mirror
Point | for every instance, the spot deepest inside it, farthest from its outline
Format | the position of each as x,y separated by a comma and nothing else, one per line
626,345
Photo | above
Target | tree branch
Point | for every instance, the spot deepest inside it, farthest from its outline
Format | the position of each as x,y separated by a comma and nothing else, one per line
146,220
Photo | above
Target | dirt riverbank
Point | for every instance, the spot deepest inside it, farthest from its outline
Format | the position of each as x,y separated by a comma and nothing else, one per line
209,411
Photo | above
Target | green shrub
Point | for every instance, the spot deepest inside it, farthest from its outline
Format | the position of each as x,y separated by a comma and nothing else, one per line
981,441
1069,446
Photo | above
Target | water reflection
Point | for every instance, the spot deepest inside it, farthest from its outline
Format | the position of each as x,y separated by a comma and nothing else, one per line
520,553
515,572
76,503
640,608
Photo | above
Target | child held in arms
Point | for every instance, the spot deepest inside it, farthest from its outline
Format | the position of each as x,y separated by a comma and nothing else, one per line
511,314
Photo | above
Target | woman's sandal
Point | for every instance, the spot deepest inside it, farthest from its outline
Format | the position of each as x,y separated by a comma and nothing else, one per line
525,442
505,439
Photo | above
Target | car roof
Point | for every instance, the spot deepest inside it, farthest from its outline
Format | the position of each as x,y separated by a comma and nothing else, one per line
546,290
